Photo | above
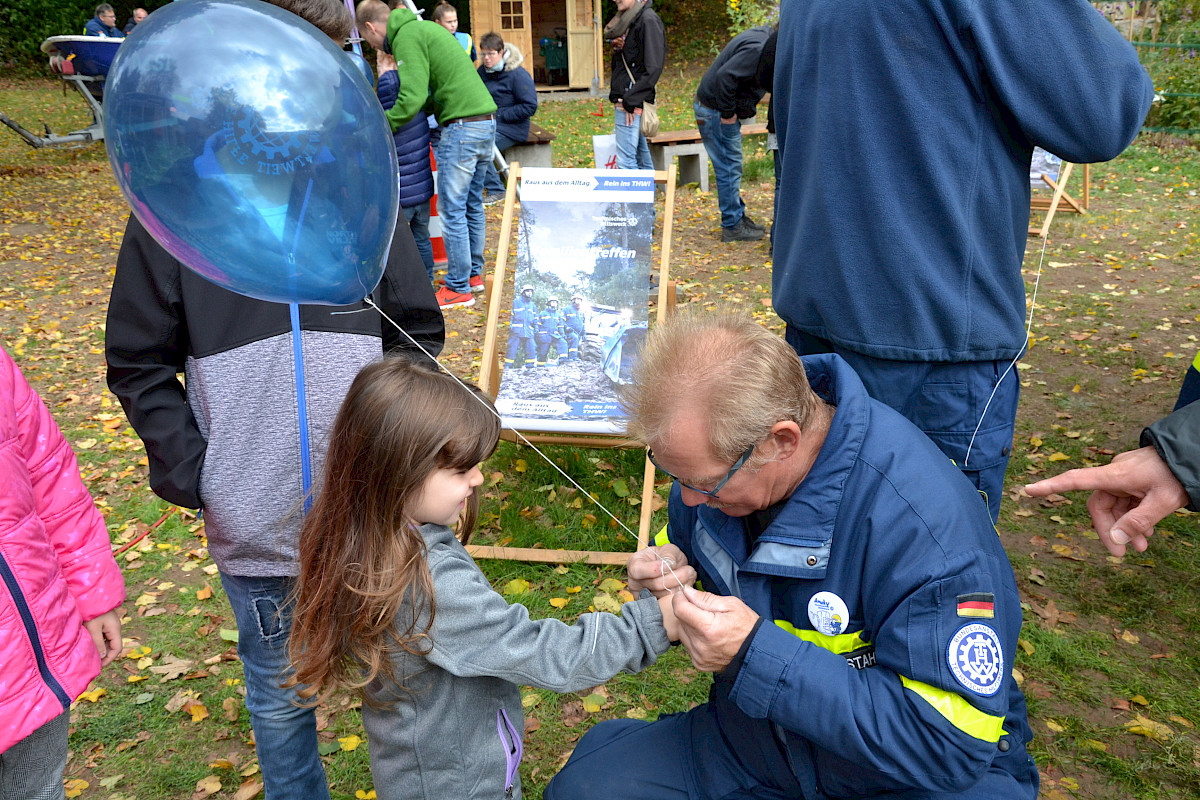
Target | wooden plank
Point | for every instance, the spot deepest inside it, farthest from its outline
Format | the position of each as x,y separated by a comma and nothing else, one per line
1059,188
674,137
491,355
548,556
678,137
539,135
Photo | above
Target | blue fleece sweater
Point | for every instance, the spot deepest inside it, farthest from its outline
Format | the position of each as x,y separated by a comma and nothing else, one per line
906,130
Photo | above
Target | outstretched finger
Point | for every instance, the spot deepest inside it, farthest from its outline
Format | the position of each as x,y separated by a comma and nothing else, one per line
1100,478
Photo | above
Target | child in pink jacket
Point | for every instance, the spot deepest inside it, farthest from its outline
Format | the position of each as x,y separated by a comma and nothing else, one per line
60,589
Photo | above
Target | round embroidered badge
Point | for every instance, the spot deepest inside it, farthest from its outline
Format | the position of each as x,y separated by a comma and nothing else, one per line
976,659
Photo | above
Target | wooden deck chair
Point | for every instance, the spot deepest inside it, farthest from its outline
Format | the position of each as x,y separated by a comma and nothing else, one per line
1059,199
569,252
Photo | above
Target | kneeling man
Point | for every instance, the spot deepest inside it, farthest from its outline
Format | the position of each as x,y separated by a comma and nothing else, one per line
860,615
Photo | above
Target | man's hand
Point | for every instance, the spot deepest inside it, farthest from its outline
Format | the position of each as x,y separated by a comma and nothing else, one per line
729,120
106,633
662,570
712,627
1130,495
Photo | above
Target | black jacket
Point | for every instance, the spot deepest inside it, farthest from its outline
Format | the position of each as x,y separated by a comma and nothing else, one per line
228,438
730,86
1176,437
644,50
766,75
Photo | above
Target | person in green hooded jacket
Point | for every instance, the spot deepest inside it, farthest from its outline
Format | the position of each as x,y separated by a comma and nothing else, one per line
438,76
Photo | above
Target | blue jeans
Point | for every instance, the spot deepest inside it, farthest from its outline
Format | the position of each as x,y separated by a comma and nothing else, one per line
492,182
285,734
946,400
418,222
632,150
463,155
724,145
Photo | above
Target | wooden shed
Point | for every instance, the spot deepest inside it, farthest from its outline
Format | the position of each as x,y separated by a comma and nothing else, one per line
575,56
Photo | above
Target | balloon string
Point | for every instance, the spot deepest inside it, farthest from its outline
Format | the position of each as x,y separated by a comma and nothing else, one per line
369,301
665,565
1037,280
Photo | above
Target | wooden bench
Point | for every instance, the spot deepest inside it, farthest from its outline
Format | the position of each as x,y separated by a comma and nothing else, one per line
535,151
688,147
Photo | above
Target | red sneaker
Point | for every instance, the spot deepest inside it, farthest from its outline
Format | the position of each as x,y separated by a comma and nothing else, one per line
448,298
476,283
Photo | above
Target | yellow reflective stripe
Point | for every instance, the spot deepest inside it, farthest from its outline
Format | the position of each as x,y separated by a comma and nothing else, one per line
840,644
961,714
660,538
1196,361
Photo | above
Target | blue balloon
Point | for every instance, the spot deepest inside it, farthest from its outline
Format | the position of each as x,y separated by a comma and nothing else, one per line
254,150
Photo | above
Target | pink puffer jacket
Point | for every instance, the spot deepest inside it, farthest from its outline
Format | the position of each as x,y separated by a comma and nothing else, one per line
56,565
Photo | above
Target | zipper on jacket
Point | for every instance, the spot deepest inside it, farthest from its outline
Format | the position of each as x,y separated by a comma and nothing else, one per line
14,589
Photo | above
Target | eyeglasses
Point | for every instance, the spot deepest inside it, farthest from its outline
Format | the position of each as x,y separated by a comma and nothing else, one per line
706,492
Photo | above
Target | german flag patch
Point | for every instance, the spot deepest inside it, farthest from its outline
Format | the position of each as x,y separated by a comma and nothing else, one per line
981,605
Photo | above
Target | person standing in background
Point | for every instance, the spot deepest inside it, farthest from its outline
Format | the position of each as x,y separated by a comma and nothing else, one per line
729,93
639,44
906,131
446,15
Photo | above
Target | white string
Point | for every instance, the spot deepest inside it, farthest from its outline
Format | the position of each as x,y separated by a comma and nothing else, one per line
1037,280
496,414
666,566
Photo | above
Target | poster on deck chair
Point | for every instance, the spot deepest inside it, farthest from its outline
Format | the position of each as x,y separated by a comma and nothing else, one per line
581,292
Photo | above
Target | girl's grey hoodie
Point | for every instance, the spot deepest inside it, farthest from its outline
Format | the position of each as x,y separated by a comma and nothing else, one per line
436,736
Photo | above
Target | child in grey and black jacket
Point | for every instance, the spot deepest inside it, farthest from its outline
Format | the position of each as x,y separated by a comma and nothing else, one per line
389,602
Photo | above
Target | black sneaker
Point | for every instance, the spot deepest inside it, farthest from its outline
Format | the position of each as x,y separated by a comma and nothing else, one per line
741,233
750,223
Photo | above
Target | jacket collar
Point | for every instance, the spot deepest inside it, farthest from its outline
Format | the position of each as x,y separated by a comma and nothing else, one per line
797,543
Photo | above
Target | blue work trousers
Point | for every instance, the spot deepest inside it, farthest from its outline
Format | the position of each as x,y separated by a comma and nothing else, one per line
723,142
463,155
687,757
285,734
968,408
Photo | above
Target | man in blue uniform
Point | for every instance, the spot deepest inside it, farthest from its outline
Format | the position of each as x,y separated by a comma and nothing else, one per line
905,131
521,328
863,617
103,24
574,322
550,331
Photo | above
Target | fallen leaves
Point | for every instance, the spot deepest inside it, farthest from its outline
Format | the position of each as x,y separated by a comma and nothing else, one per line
206,786
1144,726
172,667
515,587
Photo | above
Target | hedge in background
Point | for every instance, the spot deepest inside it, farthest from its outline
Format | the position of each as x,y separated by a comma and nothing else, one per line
25,24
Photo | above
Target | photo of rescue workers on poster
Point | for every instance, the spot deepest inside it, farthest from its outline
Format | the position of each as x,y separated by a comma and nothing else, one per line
1043,163
580,298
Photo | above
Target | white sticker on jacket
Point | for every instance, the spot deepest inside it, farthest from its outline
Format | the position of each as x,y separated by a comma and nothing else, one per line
976,659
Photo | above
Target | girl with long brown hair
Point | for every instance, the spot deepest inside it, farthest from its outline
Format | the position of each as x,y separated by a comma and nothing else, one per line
389,602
